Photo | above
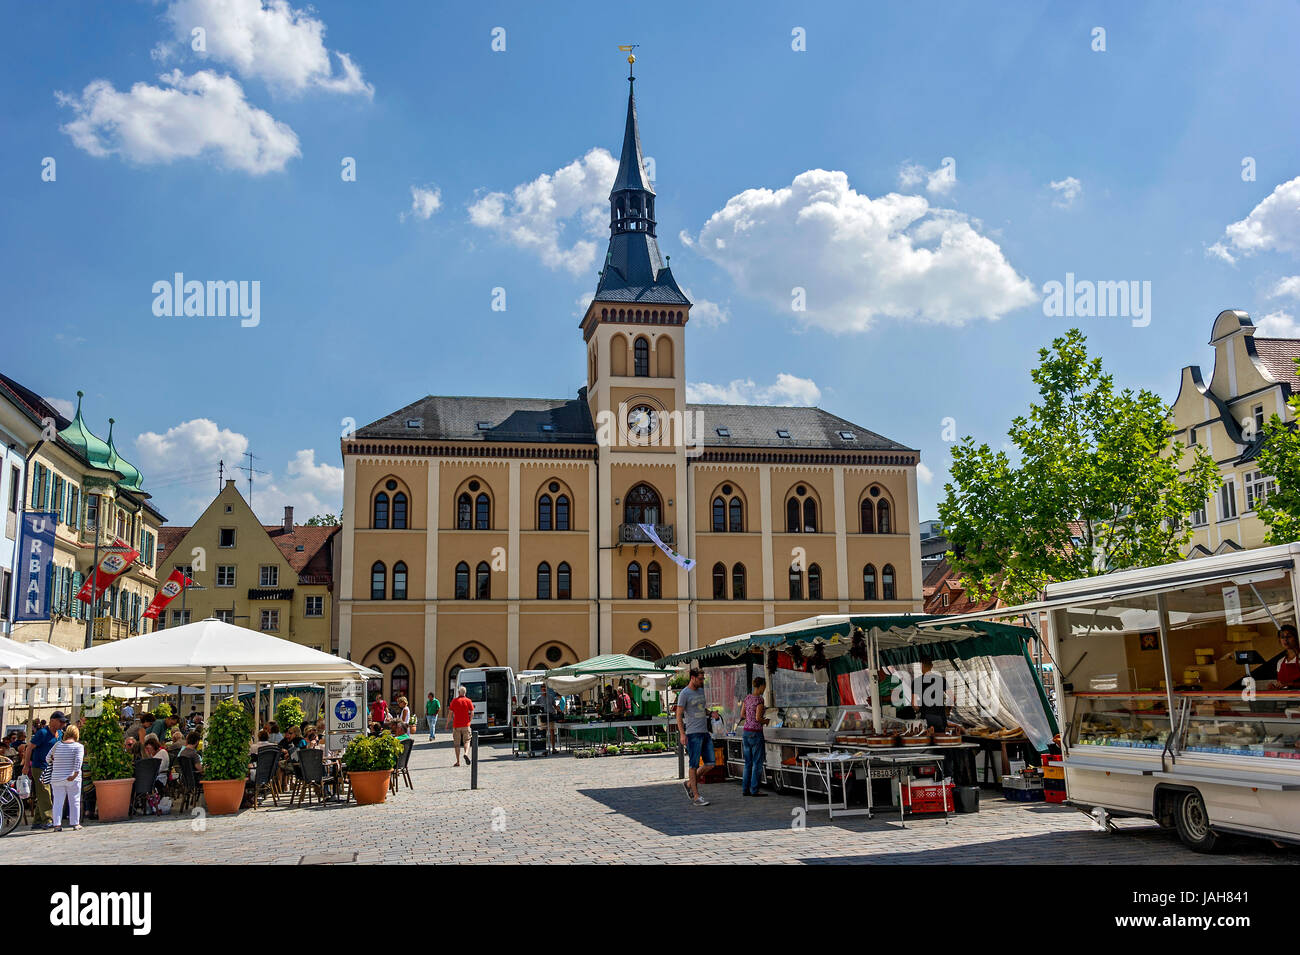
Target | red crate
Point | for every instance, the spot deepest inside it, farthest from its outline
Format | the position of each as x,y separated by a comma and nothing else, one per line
1054,795
927,798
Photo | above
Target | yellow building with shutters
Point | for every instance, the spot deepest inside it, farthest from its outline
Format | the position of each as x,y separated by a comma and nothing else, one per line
276,579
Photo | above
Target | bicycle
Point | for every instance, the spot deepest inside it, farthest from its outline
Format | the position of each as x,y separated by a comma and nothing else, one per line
11,810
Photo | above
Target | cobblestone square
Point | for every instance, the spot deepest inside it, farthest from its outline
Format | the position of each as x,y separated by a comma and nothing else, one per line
625,809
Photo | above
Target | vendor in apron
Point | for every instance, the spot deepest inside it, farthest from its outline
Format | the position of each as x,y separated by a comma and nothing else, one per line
931,697
1288,665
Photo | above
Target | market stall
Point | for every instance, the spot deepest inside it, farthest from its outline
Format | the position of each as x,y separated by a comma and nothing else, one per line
583,723
844,684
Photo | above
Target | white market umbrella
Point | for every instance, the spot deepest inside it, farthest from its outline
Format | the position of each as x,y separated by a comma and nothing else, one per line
207,653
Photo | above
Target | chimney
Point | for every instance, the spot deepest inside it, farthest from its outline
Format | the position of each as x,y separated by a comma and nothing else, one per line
288,519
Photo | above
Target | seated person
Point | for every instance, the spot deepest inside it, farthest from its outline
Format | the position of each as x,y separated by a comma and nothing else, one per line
400,731
153,750
191,750
273,732
263,741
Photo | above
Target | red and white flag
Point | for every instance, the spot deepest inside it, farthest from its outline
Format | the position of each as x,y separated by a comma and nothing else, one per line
168,592
112,565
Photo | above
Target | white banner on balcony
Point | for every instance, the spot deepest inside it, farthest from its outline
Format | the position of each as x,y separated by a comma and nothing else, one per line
685,563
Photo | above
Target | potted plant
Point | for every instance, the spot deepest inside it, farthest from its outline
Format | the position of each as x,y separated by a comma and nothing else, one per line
370,761
225,757
162,711
107,763
288,712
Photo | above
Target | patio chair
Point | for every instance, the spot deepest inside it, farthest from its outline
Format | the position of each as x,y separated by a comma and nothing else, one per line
146,774
400,769
190,789
264,779
311,763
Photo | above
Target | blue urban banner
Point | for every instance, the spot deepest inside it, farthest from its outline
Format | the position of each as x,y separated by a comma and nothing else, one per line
36,549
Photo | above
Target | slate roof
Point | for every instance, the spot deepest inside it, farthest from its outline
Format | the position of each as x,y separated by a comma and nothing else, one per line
523,420
1278,355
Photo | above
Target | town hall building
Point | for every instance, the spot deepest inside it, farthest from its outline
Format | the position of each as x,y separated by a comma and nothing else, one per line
485,531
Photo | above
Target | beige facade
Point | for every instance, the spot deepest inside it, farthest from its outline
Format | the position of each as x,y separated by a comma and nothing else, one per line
1252,379
277,579
788,512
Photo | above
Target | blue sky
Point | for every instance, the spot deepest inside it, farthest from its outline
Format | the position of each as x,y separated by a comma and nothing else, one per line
821,168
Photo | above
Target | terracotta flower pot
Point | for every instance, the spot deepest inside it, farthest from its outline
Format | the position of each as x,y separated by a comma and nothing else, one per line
113,798
370,787
223,796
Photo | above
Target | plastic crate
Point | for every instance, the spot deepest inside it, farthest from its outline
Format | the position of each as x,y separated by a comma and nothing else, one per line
1053,772
928,798
1054,795
1023,795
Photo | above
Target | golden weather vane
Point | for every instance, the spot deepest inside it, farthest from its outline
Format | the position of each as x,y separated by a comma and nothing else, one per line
631,58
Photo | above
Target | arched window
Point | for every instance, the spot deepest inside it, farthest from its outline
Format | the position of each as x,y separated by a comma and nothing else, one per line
481,517
736,521
645,650
401,685
641,358
738,582
399,511
809,516
868,517
653,581
379,517
719,581
378,580
814,582
641,506
887,582
869,582
544,513
562,513
482,581
462,581
883,512
796,584
543,581
399,581
719,515
792,524
634,581
563,590
464,513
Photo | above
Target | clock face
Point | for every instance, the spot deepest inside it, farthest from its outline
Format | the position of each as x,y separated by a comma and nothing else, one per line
642,420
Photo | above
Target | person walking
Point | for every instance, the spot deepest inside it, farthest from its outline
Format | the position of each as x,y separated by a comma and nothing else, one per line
65,761
34,762
755,712
462,711
693,729
431,709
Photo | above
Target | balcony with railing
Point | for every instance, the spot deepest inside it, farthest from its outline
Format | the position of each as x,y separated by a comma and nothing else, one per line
632,534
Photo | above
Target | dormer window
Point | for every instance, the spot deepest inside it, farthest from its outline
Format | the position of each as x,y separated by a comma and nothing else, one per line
848,436
415,423
782,433
724,432
483,425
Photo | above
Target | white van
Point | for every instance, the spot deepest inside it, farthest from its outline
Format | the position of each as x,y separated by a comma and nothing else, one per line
493,692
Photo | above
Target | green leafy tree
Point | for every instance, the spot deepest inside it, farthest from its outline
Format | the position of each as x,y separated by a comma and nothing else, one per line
106,757
1280,456
226,741
288,712
324,520
1097,483
162,710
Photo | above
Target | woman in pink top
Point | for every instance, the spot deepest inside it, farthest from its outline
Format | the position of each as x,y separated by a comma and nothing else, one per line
755,719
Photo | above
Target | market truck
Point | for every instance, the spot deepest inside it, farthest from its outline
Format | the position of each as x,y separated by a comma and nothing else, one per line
1172,706
492,691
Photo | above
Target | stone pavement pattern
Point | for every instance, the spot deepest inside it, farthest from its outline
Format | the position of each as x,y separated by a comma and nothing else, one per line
613,809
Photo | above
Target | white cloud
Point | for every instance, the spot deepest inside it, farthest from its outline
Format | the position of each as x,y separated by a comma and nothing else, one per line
559,215
1067,190
264,39
180,470
62,405
1278,324
786,390
1272,226
185,117
1288,287
707,312
936,181
859,259
923,473
425,201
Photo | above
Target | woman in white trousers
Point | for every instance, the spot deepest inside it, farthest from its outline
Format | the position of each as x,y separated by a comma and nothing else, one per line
65,778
